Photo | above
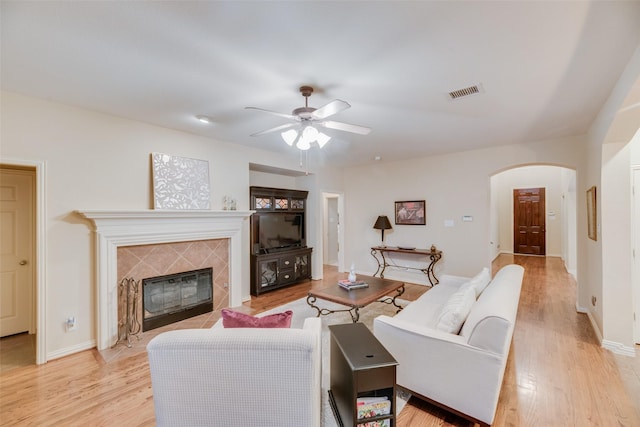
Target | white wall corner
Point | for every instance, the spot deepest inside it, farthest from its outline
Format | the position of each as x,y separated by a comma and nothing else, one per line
615,347
594,324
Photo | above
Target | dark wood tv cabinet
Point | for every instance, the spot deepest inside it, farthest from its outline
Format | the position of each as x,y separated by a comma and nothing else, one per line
279,269
279,255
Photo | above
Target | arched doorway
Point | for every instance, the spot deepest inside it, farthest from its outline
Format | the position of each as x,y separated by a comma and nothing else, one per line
559,184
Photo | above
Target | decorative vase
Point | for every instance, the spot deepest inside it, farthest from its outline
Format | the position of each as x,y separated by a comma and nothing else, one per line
352,273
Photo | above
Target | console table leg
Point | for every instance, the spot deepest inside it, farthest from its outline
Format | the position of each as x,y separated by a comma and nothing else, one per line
373,254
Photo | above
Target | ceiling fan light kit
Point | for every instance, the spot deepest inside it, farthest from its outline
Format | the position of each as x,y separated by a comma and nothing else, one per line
305,138
308,118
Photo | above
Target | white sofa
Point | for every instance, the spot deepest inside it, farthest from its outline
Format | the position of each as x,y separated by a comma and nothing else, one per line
237,377
459,371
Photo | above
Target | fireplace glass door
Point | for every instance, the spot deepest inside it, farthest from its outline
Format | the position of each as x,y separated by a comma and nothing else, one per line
168,299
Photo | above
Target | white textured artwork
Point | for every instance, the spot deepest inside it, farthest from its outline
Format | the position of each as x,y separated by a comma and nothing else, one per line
179,182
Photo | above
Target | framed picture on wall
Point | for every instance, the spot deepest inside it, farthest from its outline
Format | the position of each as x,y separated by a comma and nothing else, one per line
592,214
180,182
410,213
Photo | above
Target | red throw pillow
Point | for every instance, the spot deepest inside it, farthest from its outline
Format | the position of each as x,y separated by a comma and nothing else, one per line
234,319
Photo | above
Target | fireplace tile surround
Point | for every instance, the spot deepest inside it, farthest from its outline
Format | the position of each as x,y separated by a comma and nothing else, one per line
192,233
147,261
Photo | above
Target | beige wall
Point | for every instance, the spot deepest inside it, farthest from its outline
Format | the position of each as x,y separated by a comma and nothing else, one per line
453,186
97,161
262,179
608,261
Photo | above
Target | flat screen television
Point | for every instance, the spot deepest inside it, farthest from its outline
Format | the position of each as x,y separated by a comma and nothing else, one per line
274,231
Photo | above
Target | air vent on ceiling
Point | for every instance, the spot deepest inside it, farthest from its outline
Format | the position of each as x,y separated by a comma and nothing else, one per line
464,92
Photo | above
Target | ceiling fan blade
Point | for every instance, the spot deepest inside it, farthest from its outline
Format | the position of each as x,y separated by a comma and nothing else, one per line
275,129
330,109
275,113
345,127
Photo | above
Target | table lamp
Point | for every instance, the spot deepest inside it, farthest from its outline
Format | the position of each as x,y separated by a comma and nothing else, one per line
382,223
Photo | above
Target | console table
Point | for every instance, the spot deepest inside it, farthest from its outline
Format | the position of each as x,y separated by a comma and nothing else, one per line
432,257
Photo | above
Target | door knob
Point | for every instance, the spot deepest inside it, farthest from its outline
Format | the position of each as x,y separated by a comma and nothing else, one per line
23,262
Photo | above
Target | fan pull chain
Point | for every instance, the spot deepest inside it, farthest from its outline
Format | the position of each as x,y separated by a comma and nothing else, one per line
306,161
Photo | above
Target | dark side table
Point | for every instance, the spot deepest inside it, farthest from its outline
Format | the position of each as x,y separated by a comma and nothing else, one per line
360,367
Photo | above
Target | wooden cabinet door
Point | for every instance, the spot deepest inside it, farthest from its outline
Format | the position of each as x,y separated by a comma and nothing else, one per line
529,221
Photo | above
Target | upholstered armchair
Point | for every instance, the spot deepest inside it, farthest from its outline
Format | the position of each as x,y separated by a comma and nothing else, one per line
237,377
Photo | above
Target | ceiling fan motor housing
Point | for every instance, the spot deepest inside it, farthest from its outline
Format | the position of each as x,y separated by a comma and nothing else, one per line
304,112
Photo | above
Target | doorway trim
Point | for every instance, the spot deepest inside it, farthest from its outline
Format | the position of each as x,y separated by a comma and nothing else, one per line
635,253
40,245
340,196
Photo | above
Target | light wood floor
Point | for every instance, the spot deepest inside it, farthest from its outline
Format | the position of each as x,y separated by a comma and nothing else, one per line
557,374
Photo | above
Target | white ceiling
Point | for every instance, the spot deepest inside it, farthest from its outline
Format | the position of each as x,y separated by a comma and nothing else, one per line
545,67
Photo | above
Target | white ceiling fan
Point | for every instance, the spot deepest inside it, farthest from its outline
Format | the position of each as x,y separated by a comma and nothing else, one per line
302,131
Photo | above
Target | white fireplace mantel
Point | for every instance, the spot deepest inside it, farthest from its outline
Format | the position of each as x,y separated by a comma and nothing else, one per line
115,228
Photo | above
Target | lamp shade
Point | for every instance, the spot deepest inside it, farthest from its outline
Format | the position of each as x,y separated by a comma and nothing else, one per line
382,223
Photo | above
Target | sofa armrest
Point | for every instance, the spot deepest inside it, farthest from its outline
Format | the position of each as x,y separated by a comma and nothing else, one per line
443,367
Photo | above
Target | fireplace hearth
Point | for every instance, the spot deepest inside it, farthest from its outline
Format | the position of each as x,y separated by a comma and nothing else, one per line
174,297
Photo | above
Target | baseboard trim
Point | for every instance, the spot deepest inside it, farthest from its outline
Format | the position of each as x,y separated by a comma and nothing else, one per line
619,348
615,347
71,350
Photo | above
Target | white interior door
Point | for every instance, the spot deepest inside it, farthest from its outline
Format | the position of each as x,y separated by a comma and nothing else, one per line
332,231
16,250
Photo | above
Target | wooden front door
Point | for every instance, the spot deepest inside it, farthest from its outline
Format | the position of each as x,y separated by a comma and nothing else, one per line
529,221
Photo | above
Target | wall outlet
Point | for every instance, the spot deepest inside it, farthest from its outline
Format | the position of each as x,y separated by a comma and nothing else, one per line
71,324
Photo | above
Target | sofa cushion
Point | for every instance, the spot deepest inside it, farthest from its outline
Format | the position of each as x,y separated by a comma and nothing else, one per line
426,309
456,310
235,319
481,280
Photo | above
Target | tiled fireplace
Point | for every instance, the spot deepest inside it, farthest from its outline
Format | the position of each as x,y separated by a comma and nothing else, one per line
179,241
145,263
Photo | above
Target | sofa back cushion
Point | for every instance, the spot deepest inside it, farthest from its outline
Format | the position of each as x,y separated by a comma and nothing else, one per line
456,309
199,376
481,280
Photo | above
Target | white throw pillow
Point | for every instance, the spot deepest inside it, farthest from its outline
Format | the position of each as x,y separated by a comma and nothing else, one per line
456,310
467,285
481,280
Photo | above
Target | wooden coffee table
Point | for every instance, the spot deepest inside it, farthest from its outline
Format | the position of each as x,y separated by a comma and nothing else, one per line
377,290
